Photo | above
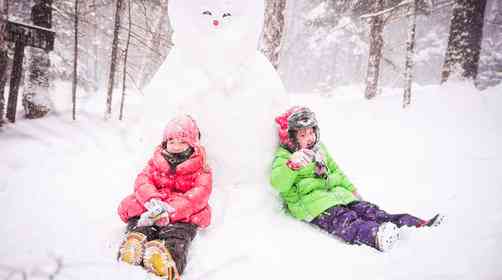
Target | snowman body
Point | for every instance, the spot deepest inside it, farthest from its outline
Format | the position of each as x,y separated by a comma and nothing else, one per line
215,74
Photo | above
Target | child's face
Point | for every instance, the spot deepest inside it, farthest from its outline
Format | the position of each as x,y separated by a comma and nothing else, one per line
174,146
306,137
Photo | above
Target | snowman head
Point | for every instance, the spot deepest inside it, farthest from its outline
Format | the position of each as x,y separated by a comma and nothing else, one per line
224,30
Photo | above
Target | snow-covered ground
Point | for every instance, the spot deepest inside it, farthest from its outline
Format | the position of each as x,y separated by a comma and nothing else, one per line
61,182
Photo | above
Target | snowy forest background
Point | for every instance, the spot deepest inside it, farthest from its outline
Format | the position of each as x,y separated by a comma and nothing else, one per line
317,45
332,46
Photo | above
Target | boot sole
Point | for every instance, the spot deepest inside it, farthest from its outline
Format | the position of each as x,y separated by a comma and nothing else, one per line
159,261
132,249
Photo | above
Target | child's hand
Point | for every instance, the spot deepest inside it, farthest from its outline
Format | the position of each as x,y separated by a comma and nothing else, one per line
357,195
300,159
150,218
162,220
157,207
145,220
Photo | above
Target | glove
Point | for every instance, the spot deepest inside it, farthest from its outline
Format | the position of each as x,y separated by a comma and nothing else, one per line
156,207
145,220
300,159
158,213
163,220
357,195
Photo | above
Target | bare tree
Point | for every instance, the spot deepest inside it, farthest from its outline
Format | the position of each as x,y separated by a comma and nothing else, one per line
126,54
4,10
95,45
381,13
490,65
376,50
160,38
464,43
36,100
75,62
274,28
113,63
410,53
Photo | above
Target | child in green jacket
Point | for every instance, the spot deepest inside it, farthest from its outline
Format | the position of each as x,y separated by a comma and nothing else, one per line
315,189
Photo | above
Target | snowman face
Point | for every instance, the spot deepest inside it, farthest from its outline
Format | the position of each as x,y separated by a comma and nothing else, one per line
218,19
222,29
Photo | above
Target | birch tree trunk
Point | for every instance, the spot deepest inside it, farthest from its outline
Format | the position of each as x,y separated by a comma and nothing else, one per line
4,10
75,61
95,45
113,62
124,72
410,53
464,43
274,28
375,51
36,100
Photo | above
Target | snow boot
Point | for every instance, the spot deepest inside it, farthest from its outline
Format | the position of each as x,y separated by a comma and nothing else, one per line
387,235
132,248
434,222
159,261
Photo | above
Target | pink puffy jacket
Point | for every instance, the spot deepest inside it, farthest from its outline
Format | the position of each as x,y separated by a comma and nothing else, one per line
186,189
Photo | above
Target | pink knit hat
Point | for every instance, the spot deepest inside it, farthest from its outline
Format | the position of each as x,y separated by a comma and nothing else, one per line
183,128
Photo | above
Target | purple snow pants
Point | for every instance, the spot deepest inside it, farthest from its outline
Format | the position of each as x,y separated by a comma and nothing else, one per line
358,222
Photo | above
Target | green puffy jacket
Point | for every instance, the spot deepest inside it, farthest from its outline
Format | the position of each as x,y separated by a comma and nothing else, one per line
307,195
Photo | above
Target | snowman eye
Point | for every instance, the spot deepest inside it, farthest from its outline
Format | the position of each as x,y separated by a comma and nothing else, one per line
207,13
226,15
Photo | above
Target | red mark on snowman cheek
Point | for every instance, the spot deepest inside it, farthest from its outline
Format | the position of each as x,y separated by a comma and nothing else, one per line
216,23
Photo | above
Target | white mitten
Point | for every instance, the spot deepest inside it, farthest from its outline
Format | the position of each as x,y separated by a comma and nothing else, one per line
145,220
158,213
301,158
156,207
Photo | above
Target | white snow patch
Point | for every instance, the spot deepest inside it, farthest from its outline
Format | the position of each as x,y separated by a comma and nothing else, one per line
62,181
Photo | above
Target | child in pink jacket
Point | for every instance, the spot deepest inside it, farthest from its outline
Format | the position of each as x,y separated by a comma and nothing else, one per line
169,203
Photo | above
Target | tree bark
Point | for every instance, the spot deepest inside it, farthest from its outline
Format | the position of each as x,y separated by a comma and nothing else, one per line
410,53
274,29
4,10
4,59
15,80
75,62
375,51
36,101
464,43
113,62
124,72
95,45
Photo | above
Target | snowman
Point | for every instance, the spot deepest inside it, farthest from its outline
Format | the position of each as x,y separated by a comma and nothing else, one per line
216,74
